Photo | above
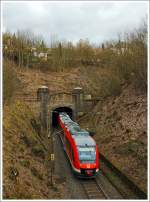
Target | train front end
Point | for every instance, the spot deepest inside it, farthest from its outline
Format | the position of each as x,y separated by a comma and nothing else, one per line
80,147
88,156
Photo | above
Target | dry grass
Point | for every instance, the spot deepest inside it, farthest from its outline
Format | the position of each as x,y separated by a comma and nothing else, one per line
19,138
10,82
121,132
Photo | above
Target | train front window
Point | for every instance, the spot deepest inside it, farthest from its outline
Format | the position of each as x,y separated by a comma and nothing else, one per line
87,154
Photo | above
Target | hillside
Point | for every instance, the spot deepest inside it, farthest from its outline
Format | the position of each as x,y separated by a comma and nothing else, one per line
121,131
94,67
24,169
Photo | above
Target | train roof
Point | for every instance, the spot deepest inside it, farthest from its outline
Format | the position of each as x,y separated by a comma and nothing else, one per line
80,136
84,141
65,117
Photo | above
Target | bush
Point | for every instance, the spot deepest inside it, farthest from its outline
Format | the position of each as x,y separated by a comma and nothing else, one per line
36,173
37,150
131,63
25,163
127,59
29,140
110,86
10,82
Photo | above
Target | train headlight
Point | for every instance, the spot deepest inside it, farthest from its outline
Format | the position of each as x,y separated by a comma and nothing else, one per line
88,166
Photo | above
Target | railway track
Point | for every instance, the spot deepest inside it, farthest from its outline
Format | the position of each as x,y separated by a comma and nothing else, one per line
110,184
127,188
120,185
93,189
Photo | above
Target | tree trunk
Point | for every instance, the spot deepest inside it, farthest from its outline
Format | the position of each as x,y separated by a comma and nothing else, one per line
27,65
19,59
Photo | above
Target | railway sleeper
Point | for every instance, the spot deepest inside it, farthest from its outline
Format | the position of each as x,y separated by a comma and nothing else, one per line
95,196
92,191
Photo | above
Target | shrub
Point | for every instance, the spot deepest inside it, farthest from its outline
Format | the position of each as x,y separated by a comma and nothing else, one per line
110,86
10,82
37,150
29,140
36,173
25,163
131,63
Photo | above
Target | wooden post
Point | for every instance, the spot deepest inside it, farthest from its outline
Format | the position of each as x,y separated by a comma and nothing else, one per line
27,64
19,58
51,159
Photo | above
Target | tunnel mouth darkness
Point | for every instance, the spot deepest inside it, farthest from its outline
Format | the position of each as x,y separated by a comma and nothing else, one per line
55,114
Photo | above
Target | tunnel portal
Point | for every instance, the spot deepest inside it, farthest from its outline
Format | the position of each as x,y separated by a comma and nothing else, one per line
55,113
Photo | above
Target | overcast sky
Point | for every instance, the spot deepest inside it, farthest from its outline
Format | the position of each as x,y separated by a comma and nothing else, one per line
71,21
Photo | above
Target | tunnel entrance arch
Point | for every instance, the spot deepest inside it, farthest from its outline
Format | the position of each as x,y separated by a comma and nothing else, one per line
55,112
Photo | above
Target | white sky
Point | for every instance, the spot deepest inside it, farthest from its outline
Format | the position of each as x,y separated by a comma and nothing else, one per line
71,21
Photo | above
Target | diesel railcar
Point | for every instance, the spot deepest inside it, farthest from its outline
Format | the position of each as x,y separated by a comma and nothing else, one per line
80,147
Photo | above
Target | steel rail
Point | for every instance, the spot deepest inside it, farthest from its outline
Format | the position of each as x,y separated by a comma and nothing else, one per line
101,188
131,185
96,186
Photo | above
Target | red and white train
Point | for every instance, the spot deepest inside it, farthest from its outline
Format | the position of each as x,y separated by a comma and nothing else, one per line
80,147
